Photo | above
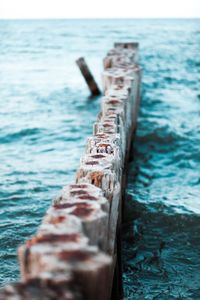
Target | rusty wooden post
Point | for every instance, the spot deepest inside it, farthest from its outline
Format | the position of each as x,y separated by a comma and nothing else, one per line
94,89
76,252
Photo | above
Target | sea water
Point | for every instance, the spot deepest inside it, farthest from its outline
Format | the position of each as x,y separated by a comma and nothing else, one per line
46,116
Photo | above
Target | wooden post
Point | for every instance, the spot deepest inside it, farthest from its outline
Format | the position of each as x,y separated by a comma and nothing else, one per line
94,89
76,253
130,45
41,289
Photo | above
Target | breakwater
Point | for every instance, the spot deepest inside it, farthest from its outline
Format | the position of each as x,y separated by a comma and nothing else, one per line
76,252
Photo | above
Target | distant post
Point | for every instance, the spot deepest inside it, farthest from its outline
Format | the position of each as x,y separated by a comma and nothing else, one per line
94,89
130,45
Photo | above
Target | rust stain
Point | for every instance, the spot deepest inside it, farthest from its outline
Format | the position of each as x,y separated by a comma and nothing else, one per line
107,125
83,210
92,162
74,255
57,220
53,238
78,186
98,155
78,192
96,178
65,205
88,197
80,209
113,101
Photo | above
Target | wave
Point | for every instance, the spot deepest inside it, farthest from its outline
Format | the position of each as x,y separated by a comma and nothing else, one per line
22,133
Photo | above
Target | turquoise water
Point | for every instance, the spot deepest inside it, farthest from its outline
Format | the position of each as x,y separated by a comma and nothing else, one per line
46,116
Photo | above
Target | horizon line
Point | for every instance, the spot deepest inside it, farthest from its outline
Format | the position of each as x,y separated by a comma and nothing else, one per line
99,18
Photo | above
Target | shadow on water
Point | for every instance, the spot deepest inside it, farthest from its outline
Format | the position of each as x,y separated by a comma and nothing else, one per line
160,253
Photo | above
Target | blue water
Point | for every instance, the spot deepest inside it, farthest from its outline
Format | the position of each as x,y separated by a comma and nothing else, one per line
46,116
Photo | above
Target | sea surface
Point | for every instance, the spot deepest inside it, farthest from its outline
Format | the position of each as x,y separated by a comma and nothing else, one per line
46,116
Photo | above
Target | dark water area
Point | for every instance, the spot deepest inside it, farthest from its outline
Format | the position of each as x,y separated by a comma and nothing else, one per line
46,117
161,234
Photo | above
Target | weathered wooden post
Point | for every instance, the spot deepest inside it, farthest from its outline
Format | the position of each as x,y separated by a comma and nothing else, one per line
76,253
94,89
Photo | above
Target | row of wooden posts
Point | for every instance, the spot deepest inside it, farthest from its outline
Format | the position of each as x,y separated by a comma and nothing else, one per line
75,253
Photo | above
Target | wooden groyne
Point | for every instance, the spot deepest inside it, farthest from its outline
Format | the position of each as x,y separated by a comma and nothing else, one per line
75,253
89,79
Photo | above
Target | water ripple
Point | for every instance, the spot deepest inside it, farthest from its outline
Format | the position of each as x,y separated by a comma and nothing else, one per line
46,116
